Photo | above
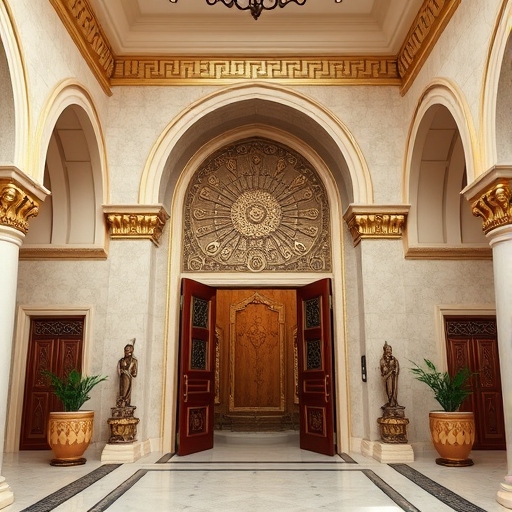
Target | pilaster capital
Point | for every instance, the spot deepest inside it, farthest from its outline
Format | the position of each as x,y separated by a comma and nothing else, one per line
19,198
376,221
490,197
136,221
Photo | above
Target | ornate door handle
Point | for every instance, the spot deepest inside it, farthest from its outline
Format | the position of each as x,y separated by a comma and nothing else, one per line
185,394
326,386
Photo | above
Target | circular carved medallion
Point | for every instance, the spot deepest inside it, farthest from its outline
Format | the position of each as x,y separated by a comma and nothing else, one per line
256,206
256,213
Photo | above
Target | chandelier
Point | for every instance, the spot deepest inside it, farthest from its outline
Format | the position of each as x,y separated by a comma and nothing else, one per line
256,6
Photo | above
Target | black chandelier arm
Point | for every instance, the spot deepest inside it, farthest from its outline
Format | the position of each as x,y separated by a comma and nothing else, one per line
255,6
266,5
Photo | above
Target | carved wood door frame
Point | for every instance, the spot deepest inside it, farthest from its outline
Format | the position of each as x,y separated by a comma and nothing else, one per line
309,402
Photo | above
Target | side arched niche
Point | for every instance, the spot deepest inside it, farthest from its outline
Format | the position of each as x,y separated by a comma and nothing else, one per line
440,223
70,222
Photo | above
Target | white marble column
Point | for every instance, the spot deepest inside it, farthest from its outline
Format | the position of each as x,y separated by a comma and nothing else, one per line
19,197
10,242
490,196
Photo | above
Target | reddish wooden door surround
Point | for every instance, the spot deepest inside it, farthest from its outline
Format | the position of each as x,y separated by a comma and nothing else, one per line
197,368
55,344
315,367
473,342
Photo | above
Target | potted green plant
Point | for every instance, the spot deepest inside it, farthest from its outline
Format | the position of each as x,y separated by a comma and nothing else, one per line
452,431
70,431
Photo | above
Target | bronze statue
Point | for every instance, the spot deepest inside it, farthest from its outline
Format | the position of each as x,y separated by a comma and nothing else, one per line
389,369
127,370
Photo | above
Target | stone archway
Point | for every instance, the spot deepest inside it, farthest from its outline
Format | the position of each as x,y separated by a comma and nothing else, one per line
249,278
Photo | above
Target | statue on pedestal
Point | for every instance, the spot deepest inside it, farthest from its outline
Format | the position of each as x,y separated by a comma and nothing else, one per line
389,369
127,371
393,422
123,425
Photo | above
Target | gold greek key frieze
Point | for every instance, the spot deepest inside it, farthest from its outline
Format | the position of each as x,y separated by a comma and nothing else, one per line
374,221
81,22
428,25
258,206
494,206
16,206
146,71
136,222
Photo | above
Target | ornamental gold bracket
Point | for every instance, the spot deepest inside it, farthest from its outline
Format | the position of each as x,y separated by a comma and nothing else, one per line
376,221
17,205
136,221
490,197
494,207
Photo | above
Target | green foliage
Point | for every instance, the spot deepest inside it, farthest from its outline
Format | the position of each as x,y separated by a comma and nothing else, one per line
73,390
450,392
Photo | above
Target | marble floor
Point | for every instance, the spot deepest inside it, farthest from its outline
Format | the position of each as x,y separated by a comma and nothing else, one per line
252,473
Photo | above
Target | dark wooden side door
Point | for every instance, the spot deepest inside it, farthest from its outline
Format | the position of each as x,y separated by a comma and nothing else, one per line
315,367
473,342
55,344
197,368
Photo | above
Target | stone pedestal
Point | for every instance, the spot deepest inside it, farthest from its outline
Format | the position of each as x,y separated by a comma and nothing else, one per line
392,453
6,495
124,453
123,425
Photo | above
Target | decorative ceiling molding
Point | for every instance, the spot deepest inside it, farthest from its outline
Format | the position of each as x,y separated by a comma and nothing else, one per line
82,24
428,25
84,28
320,71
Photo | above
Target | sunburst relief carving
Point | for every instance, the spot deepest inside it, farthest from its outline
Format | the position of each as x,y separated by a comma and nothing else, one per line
256,206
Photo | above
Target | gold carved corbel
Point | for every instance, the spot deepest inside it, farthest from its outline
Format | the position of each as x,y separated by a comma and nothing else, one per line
137,221
376,221
17,205
494,206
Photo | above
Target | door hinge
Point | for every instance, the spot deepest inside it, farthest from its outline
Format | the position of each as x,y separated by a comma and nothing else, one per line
181,302
330,302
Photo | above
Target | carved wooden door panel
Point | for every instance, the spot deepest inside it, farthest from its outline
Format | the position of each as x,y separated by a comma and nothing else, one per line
55,344
315,367
197,368
473,342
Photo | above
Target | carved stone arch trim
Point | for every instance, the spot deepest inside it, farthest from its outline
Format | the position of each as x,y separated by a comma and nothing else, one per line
10,40
256,205
357,168
489,99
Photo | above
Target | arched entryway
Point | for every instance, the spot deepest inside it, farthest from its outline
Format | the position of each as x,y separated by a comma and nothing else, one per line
284,117
256,206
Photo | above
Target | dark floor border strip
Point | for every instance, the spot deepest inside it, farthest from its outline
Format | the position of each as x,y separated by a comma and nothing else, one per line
443,494
105,503
165,458
346,458
59,497
390,492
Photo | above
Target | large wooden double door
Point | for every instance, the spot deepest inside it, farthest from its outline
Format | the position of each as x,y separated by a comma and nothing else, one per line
260,347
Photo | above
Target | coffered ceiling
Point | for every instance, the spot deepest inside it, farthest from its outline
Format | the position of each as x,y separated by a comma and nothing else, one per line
192,27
